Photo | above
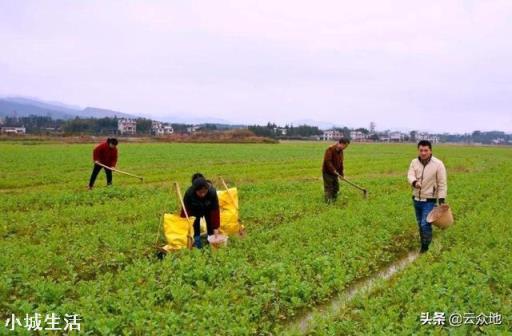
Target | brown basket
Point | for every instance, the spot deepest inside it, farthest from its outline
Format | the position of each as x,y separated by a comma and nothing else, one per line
441,216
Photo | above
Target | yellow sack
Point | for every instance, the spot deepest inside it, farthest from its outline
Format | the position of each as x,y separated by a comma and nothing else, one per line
229,219
202,226
178,231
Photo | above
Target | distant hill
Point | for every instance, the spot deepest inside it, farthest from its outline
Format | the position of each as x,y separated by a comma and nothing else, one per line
11,109
25,106
95,112
22,107
43,104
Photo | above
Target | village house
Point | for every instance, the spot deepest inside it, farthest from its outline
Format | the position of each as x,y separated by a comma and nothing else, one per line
357,136
160,129
127,126
426,136
13,130
331,134
194,128
280,130
396,137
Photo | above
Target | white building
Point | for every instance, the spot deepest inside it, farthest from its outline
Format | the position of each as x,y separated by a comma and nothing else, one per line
425,136
168,129
331,134
280,130
498,141
373,125
127,126
159,129
13,130
193,129
357,136
396,136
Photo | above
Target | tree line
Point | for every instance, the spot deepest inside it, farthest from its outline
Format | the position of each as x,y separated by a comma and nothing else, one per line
108,126
91,126
271,130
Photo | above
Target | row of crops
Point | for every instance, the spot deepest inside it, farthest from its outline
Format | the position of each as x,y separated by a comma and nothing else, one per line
466,278
66,250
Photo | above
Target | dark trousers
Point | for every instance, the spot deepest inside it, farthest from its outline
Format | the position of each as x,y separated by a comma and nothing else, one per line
197,223
95,172
331,187
422,209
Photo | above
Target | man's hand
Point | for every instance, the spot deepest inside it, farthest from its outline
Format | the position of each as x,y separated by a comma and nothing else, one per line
216,233
416,184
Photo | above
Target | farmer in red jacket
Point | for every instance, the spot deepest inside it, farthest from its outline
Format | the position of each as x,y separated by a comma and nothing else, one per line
106,154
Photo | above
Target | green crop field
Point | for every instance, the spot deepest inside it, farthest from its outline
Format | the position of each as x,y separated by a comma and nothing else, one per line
68,250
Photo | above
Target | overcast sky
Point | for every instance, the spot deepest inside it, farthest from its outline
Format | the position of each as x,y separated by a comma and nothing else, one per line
428,65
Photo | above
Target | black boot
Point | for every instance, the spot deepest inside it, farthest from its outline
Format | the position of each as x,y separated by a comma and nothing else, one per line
424,246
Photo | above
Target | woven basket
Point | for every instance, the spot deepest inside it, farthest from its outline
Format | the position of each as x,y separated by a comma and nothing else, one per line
441,216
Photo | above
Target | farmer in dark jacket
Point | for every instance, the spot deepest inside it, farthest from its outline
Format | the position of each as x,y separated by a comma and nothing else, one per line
201,201
106,154
332,169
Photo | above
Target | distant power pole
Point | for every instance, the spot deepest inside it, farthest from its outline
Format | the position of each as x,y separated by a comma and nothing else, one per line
372,127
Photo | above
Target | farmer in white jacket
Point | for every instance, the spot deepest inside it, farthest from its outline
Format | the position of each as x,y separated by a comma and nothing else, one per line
427,176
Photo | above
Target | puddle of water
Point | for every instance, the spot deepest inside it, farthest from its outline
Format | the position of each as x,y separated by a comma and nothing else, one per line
363,286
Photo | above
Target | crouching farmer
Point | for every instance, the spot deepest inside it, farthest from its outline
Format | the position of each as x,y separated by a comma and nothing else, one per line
332,169
201,201
427,176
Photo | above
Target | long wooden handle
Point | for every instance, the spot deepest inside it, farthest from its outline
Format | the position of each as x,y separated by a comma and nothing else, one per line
160,224
353,184
119,171
178,191
229,194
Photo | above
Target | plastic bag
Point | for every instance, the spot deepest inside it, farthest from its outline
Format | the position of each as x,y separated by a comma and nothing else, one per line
178,231
229,217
